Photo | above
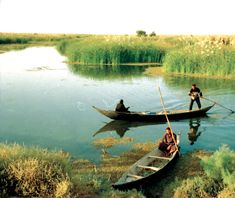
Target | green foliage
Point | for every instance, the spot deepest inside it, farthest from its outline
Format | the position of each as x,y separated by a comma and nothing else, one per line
111,50
193,188
201,57
219,180
18,40
33,172
141,33
152,34
221,166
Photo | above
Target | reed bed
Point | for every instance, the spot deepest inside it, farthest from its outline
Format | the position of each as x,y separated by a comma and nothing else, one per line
203,57
112,50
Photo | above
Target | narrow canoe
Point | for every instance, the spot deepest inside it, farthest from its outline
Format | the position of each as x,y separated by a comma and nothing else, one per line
150,167
154,116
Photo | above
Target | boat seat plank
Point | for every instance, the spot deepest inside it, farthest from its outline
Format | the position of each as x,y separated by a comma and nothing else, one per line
149,167
135,176
158,157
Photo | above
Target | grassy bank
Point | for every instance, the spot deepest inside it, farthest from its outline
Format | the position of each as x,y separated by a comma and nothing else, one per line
14,41
35,172
199,56
112,50
205,57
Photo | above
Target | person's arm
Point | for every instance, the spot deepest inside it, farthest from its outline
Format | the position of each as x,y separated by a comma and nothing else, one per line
200,93
164,139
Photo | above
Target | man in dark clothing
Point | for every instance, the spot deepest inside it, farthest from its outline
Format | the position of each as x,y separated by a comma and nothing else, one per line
195,94
121,107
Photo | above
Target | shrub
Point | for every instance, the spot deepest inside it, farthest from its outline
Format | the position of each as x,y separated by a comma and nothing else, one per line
33,172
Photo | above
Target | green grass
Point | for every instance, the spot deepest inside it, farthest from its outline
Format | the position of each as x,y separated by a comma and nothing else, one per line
112,50
202,57
199,56
218,180
15,41
35,172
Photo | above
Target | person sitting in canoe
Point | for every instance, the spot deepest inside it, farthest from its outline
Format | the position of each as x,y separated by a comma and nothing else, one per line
195,94
121,107
167,144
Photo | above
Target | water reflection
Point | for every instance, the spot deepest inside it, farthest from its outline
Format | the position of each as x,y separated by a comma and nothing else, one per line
193,133
121,126
103,72
205,84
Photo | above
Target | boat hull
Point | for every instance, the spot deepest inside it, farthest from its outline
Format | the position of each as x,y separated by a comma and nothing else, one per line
142,183
154,116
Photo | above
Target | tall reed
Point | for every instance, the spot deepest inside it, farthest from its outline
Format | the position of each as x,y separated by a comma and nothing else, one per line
112,50
203,58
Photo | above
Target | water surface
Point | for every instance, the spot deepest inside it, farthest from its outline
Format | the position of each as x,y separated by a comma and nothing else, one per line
45,102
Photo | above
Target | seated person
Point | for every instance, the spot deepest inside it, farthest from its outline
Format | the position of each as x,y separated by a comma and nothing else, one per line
121,107
167,144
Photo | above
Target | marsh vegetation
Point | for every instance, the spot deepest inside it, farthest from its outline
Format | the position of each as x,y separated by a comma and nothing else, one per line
35,172
205,56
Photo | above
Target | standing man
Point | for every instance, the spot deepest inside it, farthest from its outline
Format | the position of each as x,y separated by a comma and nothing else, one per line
195,94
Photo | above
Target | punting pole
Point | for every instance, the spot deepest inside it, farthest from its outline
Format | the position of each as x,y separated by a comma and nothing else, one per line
169,124
219,104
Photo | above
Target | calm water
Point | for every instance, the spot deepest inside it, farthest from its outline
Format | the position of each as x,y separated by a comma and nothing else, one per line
45,102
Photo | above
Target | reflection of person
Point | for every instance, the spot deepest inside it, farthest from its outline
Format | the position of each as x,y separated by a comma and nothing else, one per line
195,94
167,144
193,132
121,107
121,131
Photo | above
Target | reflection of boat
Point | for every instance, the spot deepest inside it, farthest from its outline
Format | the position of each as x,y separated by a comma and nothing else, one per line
121,126
150,167
154,116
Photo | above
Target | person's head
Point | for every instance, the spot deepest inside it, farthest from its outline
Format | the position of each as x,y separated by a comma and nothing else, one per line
121,101
168,130
194,86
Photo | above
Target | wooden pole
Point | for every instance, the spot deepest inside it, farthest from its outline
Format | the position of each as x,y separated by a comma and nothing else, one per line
169,124
219,104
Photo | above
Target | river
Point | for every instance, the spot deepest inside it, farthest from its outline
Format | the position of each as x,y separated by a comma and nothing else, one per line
45,102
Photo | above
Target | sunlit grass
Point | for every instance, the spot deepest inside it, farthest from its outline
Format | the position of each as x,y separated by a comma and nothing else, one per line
208,57
35,172
112,50
110,141
218,180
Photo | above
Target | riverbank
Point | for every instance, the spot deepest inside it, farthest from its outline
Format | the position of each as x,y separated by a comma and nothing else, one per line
17,41
205,56
38,172
198,56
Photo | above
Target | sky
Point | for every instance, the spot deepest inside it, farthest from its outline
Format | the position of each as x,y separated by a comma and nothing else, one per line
118,16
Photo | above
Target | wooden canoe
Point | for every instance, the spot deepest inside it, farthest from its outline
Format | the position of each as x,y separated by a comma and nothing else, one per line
149,168
154,116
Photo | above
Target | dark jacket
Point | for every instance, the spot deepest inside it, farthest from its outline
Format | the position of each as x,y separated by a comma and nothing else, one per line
121,108
195,93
